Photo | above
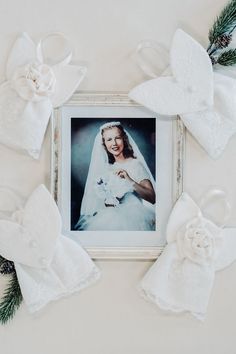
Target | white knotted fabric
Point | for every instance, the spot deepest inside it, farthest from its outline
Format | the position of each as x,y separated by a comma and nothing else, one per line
34,86
181,279
48,265
205,100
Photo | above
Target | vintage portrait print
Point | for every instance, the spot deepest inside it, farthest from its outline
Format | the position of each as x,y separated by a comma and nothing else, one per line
113,174
116,174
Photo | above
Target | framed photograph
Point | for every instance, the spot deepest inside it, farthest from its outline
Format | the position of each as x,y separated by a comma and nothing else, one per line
117,170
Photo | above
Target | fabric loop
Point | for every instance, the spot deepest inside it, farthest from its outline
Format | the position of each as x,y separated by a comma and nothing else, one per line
216,197
66,58
161,57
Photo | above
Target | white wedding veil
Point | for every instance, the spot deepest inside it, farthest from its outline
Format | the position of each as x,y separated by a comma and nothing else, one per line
99,165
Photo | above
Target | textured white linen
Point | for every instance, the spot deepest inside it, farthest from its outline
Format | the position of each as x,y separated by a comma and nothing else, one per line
48,265
33,88
70,270
181,279
204,100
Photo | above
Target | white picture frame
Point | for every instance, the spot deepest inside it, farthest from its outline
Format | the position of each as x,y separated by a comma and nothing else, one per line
170,151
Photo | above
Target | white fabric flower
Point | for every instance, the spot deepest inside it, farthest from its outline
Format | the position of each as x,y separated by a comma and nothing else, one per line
33,88
112,187
198,241
34,81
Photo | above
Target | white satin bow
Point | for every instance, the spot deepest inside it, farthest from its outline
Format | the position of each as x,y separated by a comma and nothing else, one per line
182,277
205,100
33,88
48,264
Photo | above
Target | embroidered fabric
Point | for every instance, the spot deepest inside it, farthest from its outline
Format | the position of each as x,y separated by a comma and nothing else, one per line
71,270
213,128
48,264
204,100
33,88
181,279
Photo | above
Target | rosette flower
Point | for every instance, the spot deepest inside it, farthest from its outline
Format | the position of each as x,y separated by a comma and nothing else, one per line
34,81
181,279
33,88
197,241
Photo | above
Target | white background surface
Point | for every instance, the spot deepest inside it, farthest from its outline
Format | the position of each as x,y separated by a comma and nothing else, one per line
110,317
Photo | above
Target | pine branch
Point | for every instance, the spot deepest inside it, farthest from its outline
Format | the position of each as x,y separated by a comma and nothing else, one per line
224,23
227,58
7,267
2,260
11,300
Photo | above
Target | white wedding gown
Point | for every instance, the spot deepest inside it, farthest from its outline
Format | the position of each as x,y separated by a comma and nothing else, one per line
132,213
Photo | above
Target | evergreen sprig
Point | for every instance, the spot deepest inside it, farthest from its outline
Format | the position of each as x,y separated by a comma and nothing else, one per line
227,58
11,300
2,260
224,23
7,267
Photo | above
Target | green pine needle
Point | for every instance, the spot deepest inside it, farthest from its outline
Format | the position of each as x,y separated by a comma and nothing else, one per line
227,58
11,300
224,23
2,260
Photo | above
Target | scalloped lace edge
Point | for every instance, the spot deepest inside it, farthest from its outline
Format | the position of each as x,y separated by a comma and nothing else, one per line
165,306
90,278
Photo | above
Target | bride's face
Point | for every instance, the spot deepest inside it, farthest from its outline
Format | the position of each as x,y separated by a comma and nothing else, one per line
113,141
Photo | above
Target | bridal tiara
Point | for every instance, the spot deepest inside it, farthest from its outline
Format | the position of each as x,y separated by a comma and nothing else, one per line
109,125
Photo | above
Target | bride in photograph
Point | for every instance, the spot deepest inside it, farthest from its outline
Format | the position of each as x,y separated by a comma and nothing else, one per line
120,190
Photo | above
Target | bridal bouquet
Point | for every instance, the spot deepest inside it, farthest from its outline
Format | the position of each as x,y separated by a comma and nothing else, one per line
112,188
